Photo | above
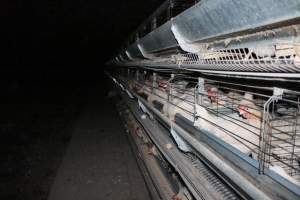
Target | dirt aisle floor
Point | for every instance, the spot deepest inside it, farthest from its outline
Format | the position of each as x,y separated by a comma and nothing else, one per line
99,163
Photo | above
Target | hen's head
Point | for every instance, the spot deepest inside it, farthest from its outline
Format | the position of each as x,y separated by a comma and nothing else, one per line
215,97
248,109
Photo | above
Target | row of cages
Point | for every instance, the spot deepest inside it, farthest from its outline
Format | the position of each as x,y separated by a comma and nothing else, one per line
280,57
283,57
260,122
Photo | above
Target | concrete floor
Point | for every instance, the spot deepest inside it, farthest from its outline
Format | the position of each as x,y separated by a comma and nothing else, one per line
99,163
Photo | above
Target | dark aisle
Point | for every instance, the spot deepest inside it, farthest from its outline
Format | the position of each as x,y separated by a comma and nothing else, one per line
99,163
36,127
63,132
54,53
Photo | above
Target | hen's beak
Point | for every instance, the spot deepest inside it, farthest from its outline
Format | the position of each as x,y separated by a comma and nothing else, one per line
242,116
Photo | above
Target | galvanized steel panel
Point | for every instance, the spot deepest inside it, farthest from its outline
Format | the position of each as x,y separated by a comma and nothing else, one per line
213,18
134,51
160,39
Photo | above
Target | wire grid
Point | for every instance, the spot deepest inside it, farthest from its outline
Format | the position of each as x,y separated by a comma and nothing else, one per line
280,58
281,136
180,96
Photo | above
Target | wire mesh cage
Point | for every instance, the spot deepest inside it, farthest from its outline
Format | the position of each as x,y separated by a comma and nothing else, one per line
256,121
280,145
282,57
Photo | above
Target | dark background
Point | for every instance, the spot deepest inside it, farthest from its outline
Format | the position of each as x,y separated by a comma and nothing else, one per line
51,67
68,33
